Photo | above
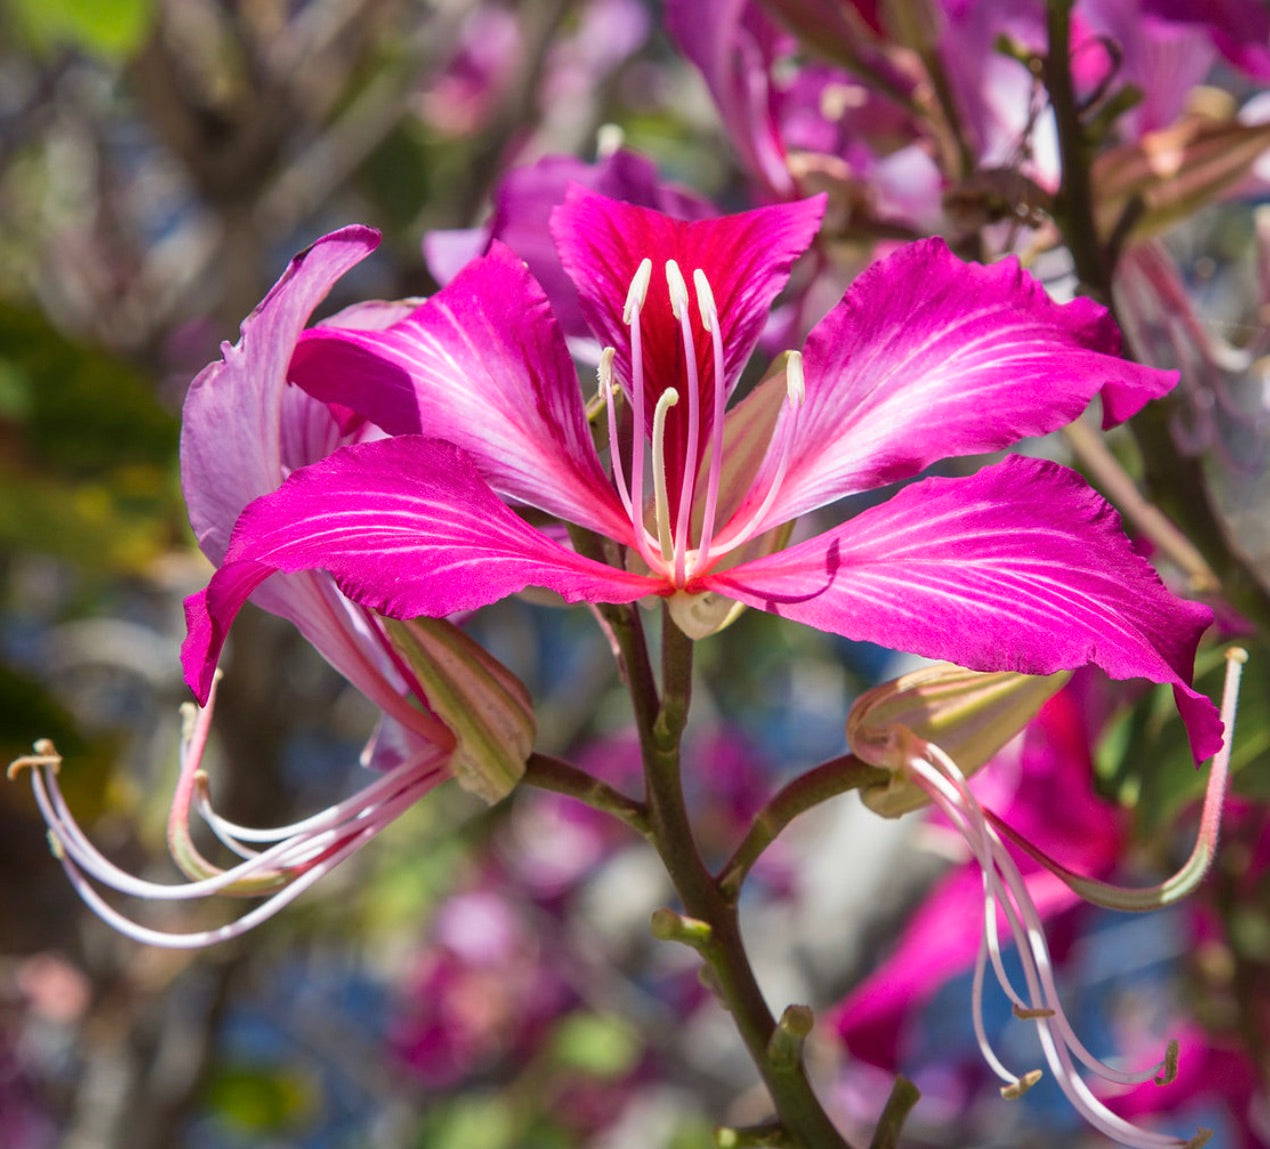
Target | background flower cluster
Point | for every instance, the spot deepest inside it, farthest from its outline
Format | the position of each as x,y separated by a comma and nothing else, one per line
485,978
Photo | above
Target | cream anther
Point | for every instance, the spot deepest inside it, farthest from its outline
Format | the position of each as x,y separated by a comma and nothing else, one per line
661,505
678,289
604,373
705,301
638,291
608,398
795,381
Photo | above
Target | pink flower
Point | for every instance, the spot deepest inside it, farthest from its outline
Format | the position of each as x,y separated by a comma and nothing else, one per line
1020,566
245,430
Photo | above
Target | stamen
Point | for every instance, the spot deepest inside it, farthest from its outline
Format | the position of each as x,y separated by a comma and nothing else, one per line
299,856
668,399
678,289
607,393
679,306
1004,886
1196,867
710,320
637,292
635,298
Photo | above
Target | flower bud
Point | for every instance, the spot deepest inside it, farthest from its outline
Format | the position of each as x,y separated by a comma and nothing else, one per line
969,714
484,704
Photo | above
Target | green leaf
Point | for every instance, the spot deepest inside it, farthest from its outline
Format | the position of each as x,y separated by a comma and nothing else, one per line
595,1044
484,1121
114,29
79,409
260,1099
1145,761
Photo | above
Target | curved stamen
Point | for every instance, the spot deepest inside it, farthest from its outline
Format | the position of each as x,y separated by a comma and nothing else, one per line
795,394
668,399
1193,871
300,854
1005,889
635,297
710,320
608,396
679,308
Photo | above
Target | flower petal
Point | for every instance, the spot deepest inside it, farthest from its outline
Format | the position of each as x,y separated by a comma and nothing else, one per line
232,423
1021,567
523,203
483,365
405,526
745,257
927,357
746,260
244,430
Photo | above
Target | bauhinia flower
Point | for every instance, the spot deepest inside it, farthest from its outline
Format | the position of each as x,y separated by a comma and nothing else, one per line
1019,567
448,708
929,729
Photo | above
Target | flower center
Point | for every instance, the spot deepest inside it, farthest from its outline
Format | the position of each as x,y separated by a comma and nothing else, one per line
668,547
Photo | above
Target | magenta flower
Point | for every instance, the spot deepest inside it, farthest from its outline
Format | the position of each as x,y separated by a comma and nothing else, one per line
245,430
1020,566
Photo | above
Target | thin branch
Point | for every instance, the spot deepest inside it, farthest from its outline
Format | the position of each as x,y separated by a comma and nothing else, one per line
560,777
802,794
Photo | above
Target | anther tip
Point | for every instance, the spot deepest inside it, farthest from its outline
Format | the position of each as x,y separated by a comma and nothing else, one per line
1201,1138
795,380
45,755
1237,654
1020,1087
1168,1072
1032,1014
678,288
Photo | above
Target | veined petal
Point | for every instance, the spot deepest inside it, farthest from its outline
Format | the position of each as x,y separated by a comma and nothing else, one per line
232,423
483,365
746,259
245,429
523,203
1020,567
405,526
927,357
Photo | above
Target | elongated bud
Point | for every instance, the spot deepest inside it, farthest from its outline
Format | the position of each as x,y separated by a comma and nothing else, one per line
486,707
969,714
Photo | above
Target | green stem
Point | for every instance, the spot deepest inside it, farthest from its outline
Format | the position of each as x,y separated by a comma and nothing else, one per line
722,946
804,792
1177,483
1075,201
560,777
904,1095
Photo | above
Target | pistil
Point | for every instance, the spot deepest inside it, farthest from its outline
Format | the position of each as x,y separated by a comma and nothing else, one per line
710,321
679,308
661,508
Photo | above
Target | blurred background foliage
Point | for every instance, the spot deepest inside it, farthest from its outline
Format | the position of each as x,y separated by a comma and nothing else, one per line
481,979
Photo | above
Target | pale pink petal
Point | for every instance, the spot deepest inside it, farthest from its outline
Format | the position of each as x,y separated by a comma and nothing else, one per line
245,429
483,365
231,432
1021,567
